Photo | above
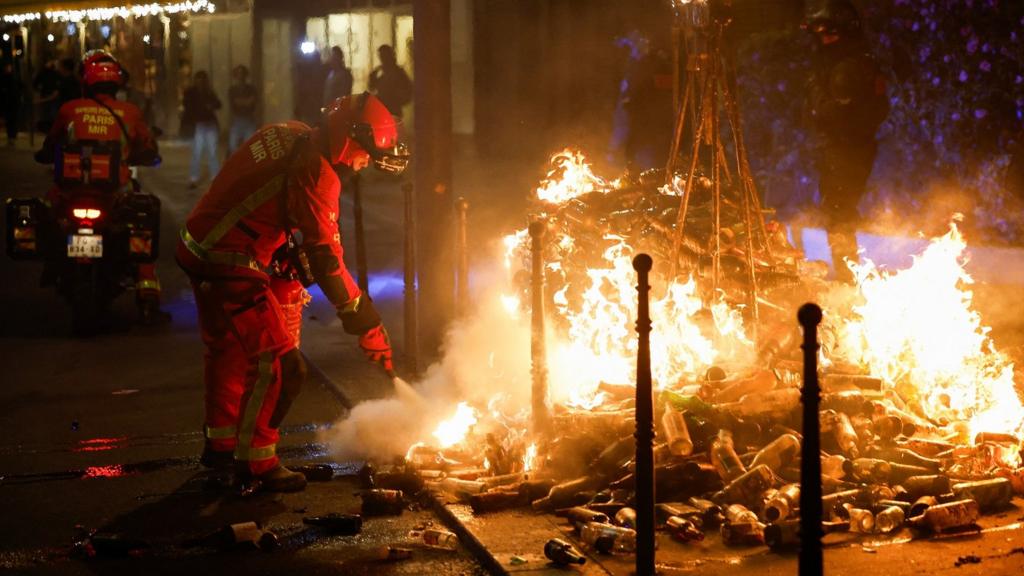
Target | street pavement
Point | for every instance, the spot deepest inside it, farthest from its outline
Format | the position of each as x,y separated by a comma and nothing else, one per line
104,433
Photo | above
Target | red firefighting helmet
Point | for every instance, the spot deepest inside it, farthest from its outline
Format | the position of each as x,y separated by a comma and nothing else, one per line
361,124
99,67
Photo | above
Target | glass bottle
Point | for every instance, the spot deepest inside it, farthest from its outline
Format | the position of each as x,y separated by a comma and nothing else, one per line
393,553
991,494
734,389
861,520
561,552
380,502
841,428
883,504
774,402
743,534
886,426
683,529
831,504
782,534
688,403
436,538
494,500
677,435
869,469
580,516
778,453
931,485
833,465
900,472
785,502
921,504
724,457
614,456
711,513
566,494
898,455
747,488
738,514
345,524
889,519
949,516
626,517
460,486
611,538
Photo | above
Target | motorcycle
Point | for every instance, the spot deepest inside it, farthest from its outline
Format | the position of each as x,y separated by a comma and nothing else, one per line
91,240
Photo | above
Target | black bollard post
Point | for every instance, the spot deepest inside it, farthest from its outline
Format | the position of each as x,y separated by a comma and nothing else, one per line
410,340
357,216
811,556
644,423
538,352
462,260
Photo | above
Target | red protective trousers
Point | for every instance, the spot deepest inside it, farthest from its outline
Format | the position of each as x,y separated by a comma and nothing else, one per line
246,329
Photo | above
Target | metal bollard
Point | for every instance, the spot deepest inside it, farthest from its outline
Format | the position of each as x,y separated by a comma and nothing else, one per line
811,556
644,423
538,353
462,260
362,272
410,326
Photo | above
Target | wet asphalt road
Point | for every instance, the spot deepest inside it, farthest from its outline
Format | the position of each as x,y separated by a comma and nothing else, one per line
104,434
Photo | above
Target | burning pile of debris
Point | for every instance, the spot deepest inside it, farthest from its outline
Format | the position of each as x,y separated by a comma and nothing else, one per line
921,423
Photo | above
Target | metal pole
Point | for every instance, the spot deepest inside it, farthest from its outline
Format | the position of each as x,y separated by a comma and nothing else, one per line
432,59
462,262
716,175
811,556
644,424
357,217
410,340
538,354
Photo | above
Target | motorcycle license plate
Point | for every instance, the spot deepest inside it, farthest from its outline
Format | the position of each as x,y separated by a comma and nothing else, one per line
85,246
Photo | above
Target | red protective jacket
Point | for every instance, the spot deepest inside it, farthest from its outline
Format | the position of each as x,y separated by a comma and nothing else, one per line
263,188
87,119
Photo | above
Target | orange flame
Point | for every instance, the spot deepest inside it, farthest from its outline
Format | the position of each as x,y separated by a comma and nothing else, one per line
454,430
917,329
570,177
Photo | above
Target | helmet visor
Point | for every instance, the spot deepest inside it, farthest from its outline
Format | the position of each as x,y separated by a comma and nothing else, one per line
393,160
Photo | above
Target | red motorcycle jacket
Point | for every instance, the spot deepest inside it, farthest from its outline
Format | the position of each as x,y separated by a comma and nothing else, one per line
277,181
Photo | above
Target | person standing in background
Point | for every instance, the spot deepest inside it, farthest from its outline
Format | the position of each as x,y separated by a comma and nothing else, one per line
201,105
10,99
339,77
242,99
47,87
845,104
69,88
390,82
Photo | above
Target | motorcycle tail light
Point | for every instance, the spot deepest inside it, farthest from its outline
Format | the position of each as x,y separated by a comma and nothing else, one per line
86,213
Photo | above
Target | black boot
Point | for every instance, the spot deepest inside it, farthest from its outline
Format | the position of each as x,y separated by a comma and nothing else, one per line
277,479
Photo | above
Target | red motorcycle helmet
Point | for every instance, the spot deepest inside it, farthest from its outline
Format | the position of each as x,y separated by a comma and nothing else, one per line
361,124
100,67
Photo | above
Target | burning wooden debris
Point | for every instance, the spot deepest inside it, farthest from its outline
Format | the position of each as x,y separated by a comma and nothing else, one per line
917,430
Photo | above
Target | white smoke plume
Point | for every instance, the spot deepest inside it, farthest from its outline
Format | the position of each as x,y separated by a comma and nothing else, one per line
484,355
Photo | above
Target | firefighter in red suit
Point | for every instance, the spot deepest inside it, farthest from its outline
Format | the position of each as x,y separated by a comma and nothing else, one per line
91,118
278,193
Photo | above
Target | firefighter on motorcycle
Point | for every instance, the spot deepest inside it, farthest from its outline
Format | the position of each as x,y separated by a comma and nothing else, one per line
117,138
273,208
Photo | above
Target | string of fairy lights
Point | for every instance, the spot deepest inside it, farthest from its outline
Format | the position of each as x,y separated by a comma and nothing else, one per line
109,13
